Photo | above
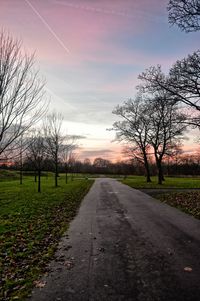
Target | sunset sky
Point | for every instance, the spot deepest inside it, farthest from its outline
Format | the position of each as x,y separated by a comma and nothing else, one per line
91,52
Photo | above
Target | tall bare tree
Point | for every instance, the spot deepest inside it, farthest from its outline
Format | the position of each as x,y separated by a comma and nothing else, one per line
185,14
21,92
36,154
152,123
134,128
54,139
21,145
167,127
66,149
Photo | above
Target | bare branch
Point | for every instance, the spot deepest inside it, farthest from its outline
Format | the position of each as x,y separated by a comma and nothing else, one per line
185,14
21,92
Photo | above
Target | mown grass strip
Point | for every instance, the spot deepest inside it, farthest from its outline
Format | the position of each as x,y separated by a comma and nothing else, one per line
170,182
31,225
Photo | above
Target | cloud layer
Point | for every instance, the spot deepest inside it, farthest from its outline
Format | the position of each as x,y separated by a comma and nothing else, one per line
91,53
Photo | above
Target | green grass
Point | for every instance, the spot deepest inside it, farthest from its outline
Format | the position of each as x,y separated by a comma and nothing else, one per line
90,175
31,225
6,175
170,182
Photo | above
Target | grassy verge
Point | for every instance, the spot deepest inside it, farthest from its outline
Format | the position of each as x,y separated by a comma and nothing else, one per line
6,175
188,202
31,225
139,182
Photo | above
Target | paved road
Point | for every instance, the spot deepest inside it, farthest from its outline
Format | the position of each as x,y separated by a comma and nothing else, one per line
125,245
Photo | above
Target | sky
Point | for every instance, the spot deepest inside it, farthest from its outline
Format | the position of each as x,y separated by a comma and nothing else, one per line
91,53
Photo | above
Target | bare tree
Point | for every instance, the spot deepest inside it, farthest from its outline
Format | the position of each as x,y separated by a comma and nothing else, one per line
174,155
183,83
134,154
101,163
67,148
185,14
54,139
21,144
151,123
167,127
66,151
36,154
184,80
166,95
72,163
134,128
21,92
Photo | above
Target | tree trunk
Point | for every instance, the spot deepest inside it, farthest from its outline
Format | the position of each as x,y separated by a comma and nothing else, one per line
66,173
39,180
160,172
21,168
168,166
56,180
146,165
21,175
56,172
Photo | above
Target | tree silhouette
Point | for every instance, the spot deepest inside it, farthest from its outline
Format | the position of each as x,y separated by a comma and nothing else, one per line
21,93
185,14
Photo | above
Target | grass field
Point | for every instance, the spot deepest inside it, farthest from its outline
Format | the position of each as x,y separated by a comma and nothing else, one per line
31,224
170,182
6,175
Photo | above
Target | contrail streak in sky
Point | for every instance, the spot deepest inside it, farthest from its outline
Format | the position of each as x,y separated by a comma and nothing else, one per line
47,26
110,11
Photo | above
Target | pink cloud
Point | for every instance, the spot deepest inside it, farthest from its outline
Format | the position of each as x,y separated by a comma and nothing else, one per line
83,28
114,153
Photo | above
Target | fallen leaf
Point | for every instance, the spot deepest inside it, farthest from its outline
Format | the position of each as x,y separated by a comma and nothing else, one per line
169,251
39,284
69,264
188,269
101,249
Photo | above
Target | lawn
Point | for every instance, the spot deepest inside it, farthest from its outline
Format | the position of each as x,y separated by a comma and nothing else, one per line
170,182
6,175
31,225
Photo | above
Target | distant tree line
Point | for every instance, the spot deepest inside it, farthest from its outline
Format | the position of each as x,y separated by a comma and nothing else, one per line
178,164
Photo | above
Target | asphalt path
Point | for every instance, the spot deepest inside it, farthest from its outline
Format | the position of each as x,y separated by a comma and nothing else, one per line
125,245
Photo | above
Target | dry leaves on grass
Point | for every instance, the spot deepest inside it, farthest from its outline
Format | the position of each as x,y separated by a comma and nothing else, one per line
189,202
39,283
